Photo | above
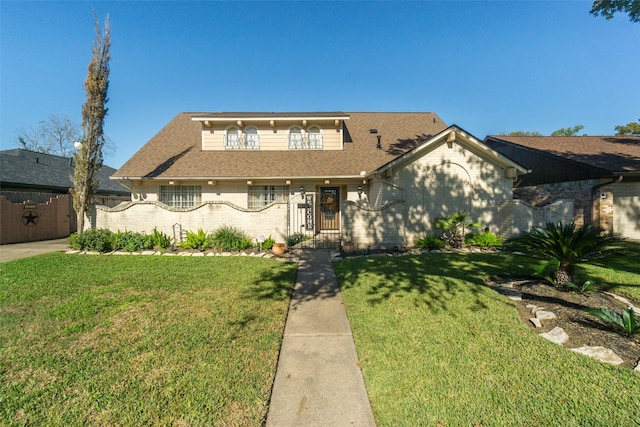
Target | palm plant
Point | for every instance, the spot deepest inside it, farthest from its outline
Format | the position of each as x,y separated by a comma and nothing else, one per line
454,227
565,246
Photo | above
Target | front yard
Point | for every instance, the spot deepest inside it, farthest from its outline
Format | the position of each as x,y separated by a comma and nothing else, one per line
439,348
134,340
123,340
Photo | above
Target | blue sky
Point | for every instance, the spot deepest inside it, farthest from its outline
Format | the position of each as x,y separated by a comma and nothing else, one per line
489,67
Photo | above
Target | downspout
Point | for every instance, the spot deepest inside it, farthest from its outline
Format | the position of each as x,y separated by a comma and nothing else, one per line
594,192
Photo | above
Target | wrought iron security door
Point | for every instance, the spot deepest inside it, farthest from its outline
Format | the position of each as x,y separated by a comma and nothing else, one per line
329,217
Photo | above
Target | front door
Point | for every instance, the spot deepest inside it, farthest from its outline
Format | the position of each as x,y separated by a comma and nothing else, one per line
329,208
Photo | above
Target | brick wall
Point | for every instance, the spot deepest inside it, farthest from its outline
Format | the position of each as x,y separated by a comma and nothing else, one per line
144,216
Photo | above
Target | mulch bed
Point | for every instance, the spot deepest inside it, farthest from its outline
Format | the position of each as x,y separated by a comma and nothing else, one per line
583,328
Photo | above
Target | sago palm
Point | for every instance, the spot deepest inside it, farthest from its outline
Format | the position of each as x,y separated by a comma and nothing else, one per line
566,246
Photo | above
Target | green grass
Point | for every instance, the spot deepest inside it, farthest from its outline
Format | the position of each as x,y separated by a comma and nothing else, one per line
437,347
133,340
620,274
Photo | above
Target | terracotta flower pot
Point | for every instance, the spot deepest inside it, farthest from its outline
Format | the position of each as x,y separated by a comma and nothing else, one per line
278,248
348,247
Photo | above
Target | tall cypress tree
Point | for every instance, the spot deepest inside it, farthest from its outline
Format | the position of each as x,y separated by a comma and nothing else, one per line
89,158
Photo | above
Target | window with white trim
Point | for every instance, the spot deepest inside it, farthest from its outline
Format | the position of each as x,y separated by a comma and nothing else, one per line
232,138
315,137
262,195
181,196
252,139
295,138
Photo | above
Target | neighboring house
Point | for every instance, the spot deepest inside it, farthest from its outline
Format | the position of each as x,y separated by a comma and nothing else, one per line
31,182
600,174
380,179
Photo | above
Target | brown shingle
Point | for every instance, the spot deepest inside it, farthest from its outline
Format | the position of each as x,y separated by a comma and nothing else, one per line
615,154
175,152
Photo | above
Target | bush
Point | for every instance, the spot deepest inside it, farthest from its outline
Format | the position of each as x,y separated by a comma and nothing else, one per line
454,227
100,240
197,240
160,239
565,245
227,238
267,244
429,242
296,238
131,242
485,239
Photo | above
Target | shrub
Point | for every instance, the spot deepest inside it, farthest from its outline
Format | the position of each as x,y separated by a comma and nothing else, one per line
132,242
564,246
454,227
625,322
227,238
100,240
267,244
429,242
160,239
197,240
296,238
485,239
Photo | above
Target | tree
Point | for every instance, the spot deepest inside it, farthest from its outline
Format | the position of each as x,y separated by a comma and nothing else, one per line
608,8
55,136
570,131
89,157
630,129
521,133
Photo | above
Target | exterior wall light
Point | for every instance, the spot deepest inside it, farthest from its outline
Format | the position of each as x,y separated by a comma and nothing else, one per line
359,191
302,192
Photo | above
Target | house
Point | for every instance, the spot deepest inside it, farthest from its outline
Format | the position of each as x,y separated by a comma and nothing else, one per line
380,179
34,195
600,174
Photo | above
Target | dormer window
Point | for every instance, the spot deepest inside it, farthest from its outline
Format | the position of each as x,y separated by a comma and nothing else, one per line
315,138
295,138
234,139
252,139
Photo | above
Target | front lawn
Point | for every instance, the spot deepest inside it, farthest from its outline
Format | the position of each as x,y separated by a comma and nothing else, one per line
124,340
438,347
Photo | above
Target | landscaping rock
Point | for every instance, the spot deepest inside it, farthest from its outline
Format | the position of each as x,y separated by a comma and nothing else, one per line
545,315
117,253
600,353
536,322
184,254
198,254
532,308
637,368
556,335
72,252
168,254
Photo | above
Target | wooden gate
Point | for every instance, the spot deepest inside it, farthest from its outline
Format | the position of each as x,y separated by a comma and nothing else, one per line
30,221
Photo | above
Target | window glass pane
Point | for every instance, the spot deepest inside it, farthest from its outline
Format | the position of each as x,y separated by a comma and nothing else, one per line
181,196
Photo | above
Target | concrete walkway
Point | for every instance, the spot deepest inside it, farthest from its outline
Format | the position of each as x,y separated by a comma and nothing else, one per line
27,249
318,381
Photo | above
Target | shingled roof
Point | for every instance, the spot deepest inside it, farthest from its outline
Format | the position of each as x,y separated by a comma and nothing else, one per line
176,153
613,154
28,170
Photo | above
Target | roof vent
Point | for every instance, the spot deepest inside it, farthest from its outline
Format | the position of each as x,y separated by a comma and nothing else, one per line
373,130
379,145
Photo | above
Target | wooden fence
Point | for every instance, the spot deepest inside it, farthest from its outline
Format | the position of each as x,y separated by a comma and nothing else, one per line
31,220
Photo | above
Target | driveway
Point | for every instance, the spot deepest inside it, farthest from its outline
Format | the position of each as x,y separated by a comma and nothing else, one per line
24,250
